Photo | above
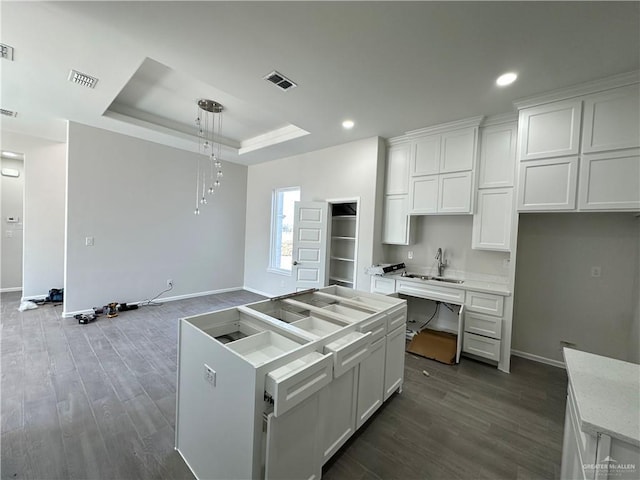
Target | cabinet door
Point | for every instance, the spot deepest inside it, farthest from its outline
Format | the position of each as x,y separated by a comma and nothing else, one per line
397,172
454,193
485,325
458,150
394,361
425,156
371,383
395,227
610,181
424,194
492,220
293,443
338,417
497,156
551,130
612,120
548,185
385,286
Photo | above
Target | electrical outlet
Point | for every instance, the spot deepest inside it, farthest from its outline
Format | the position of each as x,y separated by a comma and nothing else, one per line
210,375
88,241
410,255
169,283
595,272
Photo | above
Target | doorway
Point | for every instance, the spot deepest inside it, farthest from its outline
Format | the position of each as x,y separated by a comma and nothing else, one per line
12,211
343,242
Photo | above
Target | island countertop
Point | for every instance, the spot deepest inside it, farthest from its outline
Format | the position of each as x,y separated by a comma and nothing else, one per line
607,394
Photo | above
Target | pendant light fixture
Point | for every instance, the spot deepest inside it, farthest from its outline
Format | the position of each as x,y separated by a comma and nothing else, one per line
209,125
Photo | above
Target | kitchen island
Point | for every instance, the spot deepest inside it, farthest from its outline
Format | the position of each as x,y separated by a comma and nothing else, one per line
602,422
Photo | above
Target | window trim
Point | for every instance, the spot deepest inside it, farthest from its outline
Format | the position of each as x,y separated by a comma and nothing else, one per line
272,268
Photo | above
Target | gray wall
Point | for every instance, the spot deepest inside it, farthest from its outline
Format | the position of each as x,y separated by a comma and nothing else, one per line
556,298
344,171
452,233
137,199
44,207
12,189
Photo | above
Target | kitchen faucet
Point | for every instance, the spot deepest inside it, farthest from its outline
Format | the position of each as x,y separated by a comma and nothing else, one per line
441,262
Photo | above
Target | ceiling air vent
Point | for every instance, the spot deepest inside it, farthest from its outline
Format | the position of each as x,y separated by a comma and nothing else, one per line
280,81
82,79
6,51
8,113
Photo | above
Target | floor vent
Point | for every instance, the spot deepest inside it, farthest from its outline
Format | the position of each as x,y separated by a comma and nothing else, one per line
8,113
6,51
280,81
82,79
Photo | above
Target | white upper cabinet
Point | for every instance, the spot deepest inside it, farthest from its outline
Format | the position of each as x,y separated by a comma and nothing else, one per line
397,171
610,181
454,192
423,198
550,130
497,155
492,220
426,156
395,229
458,150
612,120
548,184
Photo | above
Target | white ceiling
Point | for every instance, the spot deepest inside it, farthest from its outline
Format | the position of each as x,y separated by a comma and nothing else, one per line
389,66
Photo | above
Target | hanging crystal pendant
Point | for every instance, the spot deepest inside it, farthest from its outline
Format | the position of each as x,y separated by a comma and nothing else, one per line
216,183
219,174
203,200
197,211
211,190
217,164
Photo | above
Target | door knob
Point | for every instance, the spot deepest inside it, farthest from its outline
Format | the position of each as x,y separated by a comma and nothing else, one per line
295,262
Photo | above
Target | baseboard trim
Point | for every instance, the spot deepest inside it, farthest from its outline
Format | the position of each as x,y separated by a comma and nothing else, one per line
10,289
163,299
257,292
538,358
34,297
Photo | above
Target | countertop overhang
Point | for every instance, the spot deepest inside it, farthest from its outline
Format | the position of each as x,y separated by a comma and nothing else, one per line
469,284
607,394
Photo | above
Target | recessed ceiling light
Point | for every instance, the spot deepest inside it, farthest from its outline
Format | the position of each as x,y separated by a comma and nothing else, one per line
11,154
348,124
506,79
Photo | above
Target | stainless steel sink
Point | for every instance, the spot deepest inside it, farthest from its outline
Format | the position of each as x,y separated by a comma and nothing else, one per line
431,277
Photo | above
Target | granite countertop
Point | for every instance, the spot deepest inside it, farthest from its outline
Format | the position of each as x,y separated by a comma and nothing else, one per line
607,394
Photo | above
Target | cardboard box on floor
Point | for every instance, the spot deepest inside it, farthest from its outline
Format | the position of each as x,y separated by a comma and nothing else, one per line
440,346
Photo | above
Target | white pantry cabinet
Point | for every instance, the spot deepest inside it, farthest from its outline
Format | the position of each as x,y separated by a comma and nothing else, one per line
278,386
396,226
397,169
497,155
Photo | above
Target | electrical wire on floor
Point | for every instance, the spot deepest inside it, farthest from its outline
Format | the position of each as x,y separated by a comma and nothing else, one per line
152,302
431,317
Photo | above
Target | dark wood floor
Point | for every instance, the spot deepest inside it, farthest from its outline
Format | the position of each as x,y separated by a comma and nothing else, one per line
97,401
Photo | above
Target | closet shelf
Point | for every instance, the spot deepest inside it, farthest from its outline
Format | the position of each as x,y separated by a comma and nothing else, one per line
343,259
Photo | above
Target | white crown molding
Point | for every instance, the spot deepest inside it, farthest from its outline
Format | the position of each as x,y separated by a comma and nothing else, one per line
586,88
499,119
445,127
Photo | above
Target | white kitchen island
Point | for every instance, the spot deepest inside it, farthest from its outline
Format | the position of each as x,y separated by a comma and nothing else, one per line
602,422
273,389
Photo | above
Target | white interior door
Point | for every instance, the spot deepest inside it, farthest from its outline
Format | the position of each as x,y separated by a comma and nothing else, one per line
310,244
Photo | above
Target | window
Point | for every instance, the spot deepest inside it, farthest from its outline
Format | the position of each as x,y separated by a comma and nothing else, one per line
282,228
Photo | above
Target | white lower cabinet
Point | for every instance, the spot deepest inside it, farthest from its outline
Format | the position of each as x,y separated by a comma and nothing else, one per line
394,361
292,443
273,389
383,285
483,325
338,412
371,383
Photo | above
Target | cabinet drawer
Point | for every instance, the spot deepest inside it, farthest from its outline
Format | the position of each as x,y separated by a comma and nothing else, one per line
383,285
377,326
485,325
481,346
396,319
296,381
485,303
431,292
349,351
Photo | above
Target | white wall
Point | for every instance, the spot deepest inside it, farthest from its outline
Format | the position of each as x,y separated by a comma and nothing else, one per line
343,171
12,190
556,298
137,199
452,233
44,206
